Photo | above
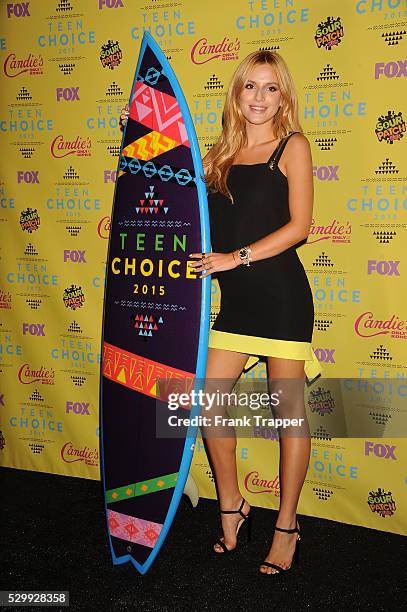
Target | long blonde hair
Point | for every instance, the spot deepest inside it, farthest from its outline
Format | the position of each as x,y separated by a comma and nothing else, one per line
233,137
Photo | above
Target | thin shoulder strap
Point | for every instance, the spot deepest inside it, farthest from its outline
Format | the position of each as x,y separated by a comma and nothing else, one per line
278,151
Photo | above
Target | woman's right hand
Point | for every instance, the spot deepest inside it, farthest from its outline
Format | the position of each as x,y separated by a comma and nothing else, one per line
124,115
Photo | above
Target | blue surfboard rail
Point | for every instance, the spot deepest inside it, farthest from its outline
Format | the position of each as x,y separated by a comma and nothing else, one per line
149,41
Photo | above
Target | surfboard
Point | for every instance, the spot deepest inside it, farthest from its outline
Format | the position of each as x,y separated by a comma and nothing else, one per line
156,313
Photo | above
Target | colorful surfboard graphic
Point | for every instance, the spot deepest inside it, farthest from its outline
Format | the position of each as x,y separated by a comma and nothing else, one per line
156,311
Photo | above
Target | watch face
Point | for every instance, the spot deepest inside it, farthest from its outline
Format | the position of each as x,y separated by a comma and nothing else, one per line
243,253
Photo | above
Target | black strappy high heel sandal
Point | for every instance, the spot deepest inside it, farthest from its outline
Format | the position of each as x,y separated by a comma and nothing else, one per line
247,519
296,556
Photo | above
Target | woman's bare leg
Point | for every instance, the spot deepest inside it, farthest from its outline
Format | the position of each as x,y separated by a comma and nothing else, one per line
222,370
294,458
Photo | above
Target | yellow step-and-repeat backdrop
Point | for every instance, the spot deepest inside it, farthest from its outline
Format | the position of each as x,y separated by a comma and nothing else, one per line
66,71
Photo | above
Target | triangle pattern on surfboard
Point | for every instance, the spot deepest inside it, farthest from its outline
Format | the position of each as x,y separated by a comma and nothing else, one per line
143,110
165,115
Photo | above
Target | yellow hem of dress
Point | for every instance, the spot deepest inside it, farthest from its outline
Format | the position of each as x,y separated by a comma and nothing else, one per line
255,346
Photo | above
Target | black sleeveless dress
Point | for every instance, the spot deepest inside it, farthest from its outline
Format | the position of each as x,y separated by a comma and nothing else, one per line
266,308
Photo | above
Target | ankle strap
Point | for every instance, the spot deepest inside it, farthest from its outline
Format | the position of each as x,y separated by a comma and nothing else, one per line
235,511
295,530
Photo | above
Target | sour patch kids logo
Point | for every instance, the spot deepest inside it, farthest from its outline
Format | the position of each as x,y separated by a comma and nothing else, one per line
74,297
390,127
382,502
111,54
29,220
329,33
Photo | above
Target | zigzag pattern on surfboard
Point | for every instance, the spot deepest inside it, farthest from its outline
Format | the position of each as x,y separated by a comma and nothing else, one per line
144,375
149,146
158,111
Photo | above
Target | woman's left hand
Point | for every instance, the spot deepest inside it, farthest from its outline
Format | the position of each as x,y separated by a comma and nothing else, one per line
212,262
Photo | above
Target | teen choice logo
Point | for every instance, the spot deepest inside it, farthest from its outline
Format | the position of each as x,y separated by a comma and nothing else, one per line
390,127
382,502
329,33
111,54
29,220
74,297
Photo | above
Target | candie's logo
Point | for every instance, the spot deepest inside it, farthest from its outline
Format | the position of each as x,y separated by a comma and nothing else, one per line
74,297
70,454
5,300
29,220
61,147
104,228
366,326
110,54
329,33
382,502
334,231
27,376
203,51
14,66
254,484
390,127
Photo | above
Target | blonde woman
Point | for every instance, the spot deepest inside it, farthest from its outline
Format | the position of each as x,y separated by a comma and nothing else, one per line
260,196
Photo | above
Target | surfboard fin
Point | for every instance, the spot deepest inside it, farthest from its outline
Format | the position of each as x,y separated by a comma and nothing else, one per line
191,490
